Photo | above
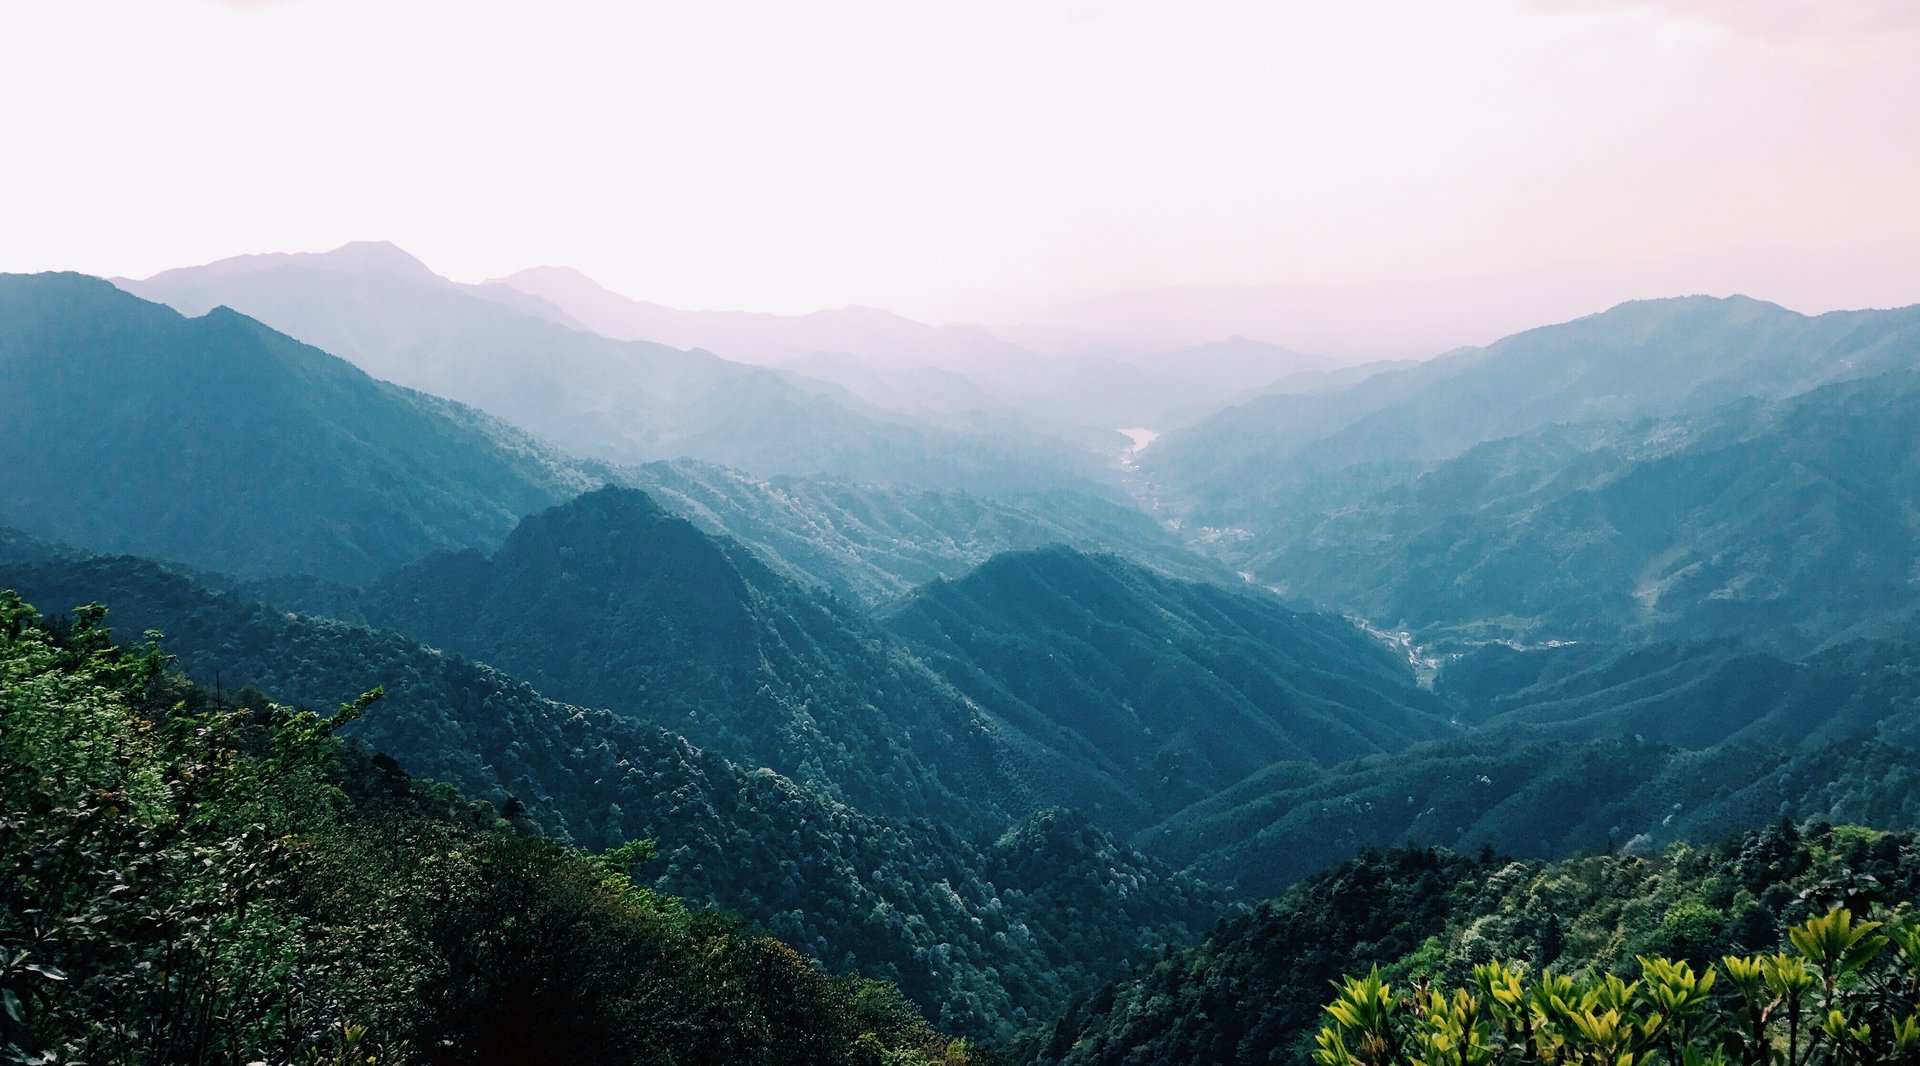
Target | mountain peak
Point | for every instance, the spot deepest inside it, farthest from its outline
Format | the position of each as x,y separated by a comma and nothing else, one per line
1734,306
536,275
382,257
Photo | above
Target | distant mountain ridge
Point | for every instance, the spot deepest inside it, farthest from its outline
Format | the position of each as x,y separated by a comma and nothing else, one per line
1272,478
505,352
889,358
1652,358
217,442
891,341
1785,523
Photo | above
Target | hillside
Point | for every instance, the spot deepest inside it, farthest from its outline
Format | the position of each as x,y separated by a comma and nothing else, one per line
1143,693
990,932
1527,796
219,443
1585,747
610,601
232,885
1785,524
1255,465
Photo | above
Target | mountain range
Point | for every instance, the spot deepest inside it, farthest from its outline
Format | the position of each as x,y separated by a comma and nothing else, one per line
624,401
907,365
1667,463
899,652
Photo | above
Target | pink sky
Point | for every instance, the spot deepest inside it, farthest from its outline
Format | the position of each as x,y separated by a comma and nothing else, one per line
968,160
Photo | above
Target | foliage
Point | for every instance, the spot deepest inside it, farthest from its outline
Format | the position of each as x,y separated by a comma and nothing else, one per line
1529,796
191,882
1825,1002
1139,694
1414,923
1248,991
609,601
970,926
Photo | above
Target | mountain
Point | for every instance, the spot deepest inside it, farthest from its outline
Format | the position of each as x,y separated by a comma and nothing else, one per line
1786,524
292,462
1639,470
219,443
990,932
1254,991
613,400
1139,693
1255,464
1694,694
610,601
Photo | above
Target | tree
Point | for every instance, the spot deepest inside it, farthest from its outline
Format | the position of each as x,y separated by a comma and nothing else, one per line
1827,1003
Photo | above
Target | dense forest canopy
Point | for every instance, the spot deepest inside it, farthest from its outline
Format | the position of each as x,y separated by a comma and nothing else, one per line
194,881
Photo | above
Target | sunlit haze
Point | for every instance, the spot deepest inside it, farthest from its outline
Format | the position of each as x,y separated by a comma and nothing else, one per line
981,161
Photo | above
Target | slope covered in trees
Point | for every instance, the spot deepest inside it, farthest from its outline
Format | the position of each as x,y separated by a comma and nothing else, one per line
1253,992
970,926
1785,524
1142,693
608,600
217,442
1583,747
1531,797
192,882
1254,465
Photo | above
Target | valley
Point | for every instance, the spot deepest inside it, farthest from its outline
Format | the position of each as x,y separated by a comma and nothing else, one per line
960,534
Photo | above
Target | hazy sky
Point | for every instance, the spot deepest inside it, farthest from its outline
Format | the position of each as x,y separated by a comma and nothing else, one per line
960,159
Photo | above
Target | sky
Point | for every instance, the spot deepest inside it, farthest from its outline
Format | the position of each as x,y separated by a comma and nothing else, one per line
973,160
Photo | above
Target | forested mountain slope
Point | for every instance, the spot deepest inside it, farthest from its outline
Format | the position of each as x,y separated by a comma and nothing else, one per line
609,600
220,443
1692,693
1148,693
1587,746
1539,798
1254,991
1787,524
1254,468
988,932
195,882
